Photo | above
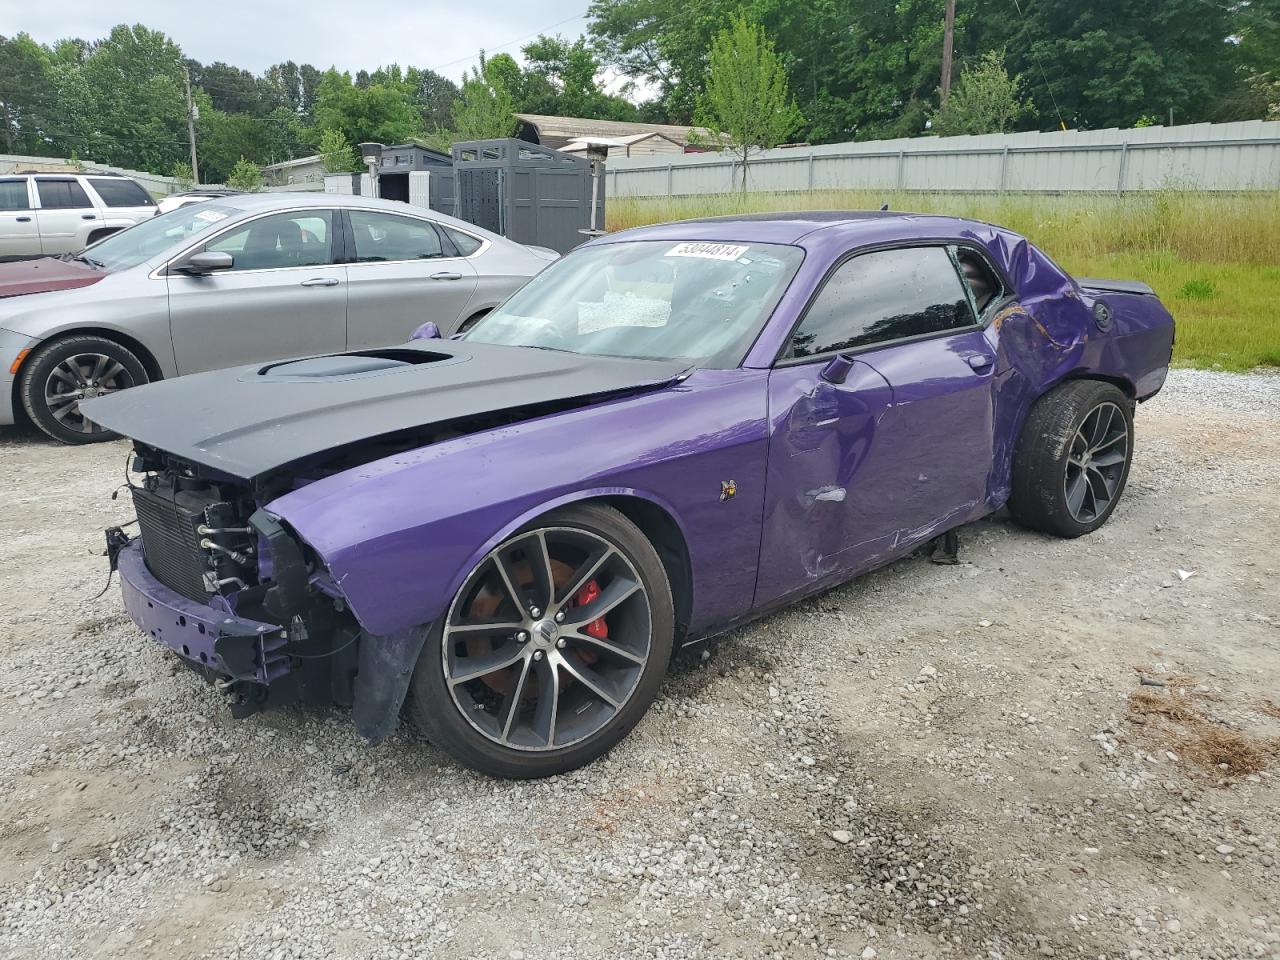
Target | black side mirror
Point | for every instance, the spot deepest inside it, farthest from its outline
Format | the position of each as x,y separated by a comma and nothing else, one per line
203,264
837,369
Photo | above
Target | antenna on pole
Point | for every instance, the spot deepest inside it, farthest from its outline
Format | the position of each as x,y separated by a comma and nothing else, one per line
948,42
192,113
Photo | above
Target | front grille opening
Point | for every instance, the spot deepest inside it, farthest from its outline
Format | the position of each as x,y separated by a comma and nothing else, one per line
171,512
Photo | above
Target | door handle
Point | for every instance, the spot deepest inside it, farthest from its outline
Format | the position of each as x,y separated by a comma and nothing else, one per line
980,361
321,282
446,275
88,216
24,219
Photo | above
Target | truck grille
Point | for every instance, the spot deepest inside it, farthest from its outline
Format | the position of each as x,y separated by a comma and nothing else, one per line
170,542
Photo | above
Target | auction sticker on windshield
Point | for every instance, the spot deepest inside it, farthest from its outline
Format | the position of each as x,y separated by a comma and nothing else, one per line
707,251
210,216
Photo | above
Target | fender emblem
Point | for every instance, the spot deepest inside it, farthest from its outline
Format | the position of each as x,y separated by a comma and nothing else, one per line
728,490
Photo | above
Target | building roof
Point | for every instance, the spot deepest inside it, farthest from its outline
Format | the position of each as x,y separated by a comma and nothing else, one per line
558,131
299,162
635,138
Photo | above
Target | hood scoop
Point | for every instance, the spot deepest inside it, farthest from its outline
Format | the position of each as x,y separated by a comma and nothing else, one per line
348,365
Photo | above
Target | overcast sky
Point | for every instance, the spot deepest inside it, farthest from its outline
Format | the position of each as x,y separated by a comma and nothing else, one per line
348,34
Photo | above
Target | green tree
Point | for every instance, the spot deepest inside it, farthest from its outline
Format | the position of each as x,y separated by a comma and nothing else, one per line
294,87
28,114
986,100
231,89
336,153
486,110
382,112
134,107
747,100
245,175
434,95
1107,64
181,172
560,78
664,44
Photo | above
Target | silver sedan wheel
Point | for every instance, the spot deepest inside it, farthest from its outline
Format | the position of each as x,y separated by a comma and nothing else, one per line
82,377
547,639
1095,464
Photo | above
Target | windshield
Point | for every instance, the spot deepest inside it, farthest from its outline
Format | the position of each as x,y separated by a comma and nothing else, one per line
140,243
648,299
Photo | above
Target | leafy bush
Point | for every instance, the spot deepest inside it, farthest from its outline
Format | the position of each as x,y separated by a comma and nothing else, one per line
1198,289
246,176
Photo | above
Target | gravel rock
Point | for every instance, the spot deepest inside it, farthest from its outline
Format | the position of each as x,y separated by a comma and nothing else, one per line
932,761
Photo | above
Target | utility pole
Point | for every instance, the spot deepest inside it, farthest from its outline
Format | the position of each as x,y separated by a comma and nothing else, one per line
948,41
191,125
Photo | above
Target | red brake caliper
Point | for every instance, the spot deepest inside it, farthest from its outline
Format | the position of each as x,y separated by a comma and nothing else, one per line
596,628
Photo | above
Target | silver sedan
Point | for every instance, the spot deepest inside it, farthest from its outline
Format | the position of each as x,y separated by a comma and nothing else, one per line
236,280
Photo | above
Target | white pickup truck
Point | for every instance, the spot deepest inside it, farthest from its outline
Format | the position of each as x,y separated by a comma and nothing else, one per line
48,214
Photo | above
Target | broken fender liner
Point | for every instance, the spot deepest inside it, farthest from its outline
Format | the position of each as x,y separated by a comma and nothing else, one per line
386,667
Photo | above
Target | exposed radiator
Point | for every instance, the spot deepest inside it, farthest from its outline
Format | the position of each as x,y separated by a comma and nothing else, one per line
170,542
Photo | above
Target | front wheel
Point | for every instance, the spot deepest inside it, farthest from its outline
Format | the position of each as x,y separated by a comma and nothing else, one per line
66,371
552,650
1072,460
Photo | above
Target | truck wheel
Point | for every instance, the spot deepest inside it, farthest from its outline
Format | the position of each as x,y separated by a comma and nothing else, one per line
1072,460
552,650
63,372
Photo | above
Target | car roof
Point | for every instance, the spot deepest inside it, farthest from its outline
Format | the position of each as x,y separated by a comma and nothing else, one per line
292,199
797,227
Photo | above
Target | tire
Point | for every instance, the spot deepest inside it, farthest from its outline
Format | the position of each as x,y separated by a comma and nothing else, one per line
1072,459
470,322
604,677
48,374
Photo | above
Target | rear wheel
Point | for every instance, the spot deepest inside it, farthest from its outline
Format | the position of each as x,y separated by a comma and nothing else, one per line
1072,460
62,373
471,321
553,648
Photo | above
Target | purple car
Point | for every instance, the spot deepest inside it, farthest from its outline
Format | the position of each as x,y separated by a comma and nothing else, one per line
669,432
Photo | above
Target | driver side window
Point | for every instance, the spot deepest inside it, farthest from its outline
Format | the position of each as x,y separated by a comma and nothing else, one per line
884,296
299,239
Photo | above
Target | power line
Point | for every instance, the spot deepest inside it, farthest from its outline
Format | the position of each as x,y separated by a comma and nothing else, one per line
536,33
1036,57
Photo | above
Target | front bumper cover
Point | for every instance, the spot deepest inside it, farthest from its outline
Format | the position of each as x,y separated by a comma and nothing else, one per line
254,661
210,639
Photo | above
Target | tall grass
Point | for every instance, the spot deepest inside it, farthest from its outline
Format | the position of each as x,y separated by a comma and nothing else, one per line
1214,259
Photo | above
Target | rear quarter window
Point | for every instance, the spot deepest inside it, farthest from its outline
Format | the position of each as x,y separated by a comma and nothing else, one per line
62,195
465,243
121,192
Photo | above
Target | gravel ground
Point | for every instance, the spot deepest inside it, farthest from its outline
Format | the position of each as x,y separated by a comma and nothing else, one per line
1055,749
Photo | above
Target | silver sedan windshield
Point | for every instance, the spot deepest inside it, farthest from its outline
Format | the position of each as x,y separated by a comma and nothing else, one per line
648,299
140,243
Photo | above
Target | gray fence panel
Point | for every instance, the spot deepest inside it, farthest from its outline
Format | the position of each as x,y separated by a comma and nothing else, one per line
1226,156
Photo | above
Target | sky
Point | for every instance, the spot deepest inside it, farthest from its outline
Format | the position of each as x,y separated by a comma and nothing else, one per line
349,34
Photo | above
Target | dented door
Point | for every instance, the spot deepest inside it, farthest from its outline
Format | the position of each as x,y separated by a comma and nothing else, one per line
941,433
823,520
860,472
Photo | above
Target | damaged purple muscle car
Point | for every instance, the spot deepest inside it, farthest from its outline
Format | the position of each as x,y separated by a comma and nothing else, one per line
670,431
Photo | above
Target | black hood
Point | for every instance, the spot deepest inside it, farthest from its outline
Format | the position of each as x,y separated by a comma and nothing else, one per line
247,421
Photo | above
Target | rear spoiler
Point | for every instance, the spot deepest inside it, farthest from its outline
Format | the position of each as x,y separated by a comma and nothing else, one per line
1135,287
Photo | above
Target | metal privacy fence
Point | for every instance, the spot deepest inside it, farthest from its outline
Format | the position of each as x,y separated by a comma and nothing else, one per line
1205,156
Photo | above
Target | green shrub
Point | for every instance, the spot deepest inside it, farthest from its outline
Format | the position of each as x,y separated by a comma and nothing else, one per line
1198,289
